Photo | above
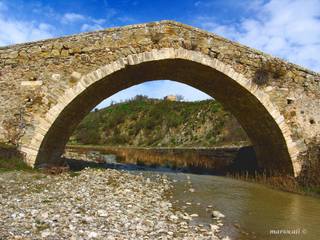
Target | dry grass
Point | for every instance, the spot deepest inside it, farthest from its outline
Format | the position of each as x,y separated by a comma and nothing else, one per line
268,70
279,181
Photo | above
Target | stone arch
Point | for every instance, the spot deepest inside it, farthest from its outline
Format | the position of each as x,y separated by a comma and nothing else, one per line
261,120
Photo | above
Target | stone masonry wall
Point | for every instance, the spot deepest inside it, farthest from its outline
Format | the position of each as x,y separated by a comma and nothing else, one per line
34,75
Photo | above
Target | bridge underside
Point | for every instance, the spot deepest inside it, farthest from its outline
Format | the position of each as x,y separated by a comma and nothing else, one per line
264,132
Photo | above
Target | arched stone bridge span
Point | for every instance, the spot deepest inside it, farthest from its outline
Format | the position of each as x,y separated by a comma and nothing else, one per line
47,87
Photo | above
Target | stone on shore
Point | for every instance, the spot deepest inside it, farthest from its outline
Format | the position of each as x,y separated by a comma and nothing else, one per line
92,204
217,214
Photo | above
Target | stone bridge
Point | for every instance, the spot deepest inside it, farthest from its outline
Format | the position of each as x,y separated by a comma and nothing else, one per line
48,86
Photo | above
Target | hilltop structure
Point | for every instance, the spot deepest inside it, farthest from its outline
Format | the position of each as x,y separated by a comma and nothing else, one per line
171,98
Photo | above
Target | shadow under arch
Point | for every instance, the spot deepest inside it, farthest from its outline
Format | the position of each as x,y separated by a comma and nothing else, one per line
262,122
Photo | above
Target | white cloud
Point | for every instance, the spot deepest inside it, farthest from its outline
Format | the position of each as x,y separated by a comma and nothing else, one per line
68,18
126,19
98,21
286,28
90,27
13,31
157,89
87,23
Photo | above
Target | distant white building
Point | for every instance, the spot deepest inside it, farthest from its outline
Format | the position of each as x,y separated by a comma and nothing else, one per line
170,98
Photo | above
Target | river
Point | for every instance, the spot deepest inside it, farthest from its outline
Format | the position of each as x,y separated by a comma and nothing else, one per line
252,211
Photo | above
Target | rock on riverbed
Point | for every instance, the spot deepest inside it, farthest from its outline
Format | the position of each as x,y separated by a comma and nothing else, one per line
217,214
91,204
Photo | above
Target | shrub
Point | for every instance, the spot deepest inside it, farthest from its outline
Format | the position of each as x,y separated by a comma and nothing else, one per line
118,139
267,70
261,76
88,136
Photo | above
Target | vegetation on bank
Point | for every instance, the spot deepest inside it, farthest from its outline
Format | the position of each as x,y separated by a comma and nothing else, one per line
144,122
279,182
13,164
7,146
10,159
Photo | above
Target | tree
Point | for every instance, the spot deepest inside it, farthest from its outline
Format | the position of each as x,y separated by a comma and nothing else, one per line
140,97
179,98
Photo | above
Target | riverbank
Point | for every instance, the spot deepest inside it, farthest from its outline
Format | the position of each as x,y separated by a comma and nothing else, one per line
93,204
236,162
278,182
214,160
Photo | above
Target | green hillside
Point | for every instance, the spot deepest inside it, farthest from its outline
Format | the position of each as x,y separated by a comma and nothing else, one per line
160,123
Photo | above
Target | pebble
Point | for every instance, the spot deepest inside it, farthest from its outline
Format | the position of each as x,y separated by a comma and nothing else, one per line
92,235
102,213
45,234
186,217
217,214
174,218
94,204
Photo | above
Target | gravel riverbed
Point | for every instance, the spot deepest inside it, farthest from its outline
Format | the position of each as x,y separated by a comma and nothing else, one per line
93,204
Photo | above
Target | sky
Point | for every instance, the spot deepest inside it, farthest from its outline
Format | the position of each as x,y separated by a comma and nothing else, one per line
289,29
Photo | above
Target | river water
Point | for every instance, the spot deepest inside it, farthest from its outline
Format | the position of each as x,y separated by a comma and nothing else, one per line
252,211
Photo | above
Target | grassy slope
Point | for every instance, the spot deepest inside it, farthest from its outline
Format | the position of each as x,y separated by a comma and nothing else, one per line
147,122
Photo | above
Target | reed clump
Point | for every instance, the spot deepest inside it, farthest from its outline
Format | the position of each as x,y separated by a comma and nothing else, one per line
278,181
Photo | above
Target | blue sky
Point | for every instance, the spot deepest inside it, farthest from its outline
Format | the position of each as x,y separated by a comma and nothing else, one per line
289,29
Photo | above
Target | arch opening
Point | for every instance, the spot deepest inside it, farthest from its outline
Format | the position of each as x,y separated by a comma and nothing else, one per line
267,137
